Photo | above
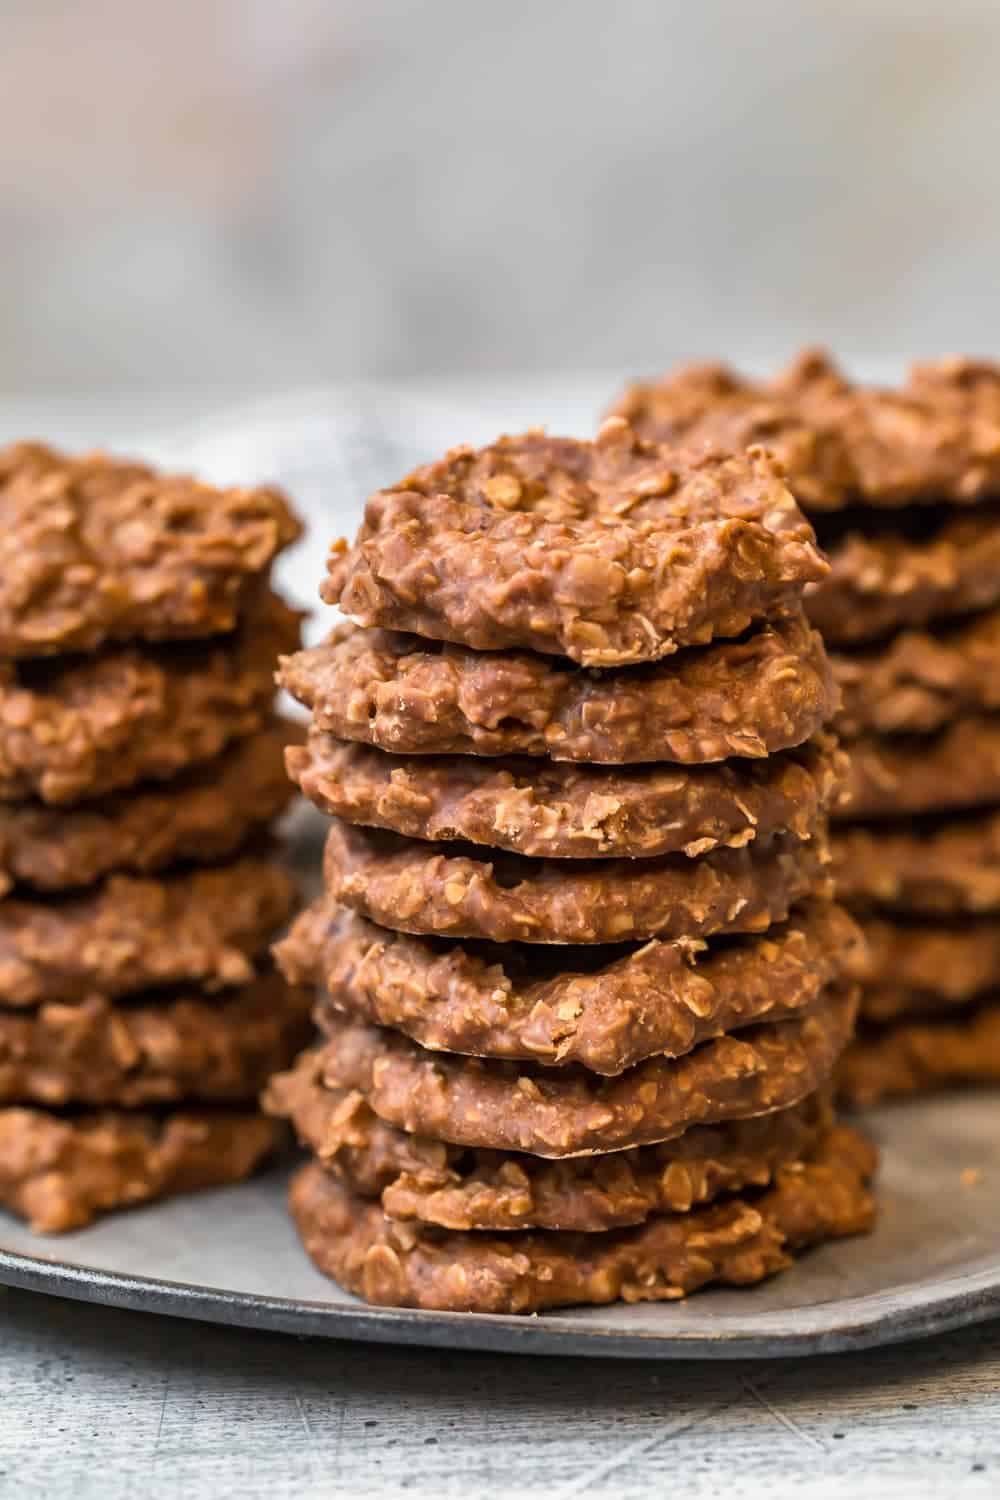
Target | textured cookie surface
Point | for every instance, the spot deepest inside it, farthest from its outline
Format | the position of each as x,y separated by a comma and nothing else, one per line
183,1045
751,697
82,727
935,437
918,1057
570,811
609,552
63,1172
570,1112
956,768
203,816
737,1241
948,868
923,967
460,890
94,549
130,934
417,1178
603,1008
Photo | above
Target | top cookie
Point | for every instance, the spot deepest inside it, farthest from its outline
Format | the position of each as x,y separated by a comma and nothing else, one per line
935,438
608,552
94,549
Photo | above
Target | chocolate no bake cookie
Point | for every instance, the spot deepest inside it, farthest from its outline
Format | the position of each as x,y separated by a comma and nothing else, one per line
948,867
203,816
568,811
94,549
738,1241
752,697
936,437
569,1111
954,769
61,1172
460,890
456,1187
606,1009
80,727
201,926
917,967
608,552
181,1045
920,1056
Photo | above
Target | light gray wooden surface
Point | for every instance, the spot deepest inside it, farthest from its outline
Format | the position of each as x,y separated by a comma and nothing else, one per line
103,1405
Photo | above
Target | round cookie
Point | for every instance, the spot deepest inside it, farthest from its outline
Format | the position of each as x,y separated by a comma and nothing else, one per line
81,727
459,890
752,697
609,552
917,683
921,968
568,811
955,769
937,437
571,1112
200,926
94,549
203,816
416,1178
510,1001
948,868
181,1046
736,1242
921,1056
63,1172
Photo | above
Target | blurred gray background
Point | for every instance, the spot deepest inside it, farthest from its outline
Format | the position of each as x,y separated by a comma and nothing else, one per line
250,195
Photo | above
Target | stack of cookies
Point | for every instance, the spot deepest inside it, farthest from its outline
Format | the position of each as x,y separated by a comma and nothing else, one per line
583,985
140,764
904,488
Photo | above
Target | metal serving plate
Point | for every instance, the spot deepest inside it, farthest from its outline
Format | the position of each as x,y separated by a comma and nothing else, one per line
231,1256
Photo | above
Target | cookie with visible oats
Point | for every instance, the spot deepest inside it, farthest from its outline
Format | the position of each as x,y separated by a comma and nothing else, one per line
454,1187
917,683
954,769
177,1045
461,890
556,1112
203,816
919,1057
61,1172
606,1009
738,1241
936,437
921,968
569,811
609,552
95,549
129,934
83,726
767,692
945,868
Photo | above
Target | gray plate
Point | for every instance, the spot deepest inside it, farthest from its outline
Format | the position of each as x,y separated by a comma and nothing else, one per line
231,1256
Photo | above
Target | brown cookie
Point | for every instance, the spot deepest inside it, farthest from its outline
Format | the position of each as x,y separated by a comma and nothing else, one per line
200,926
959,767
94,549
81,727
935,438
604,1009
738,1241
203,816
457,890
948,868
178,1046
418,1178
917,683
568,1111
568,811
884,579
921,968
921,1057
752,697
609,552
63,1172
